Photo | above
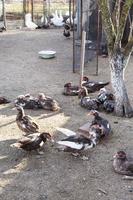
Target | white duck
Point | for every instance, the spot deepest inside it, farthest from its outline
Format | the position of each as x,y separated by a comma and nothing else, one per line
28,22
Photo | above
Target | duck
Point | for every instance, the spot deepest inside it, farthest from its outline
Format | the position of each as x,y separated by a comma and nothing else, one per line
57,20
27,102
74,142
104,95
48,103
66,31
93,86
102,123
2,29
67,27
25,122
34,143
71,90
45,23
4,100
122,164
86,101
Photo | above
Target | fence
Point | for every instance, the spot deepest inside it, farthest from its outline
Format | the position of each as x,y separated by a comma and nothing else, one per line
15,10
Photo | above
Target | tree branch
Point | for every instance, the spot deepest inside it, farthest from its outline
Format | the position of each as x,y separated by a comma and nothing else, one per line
129,47
131,29
123,18
108,24
115,15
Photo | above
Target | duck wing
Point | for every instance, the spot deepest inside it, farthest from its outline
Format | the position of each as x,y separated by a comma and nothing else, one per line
32,104
76,142
47,103
25,140
21,142
90,104
30,124
109,105
93,86
70,144
66,131
129,166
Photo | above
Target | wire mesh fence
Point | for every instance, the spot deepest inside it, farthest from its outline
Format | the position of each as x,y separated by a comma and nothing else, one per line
88,20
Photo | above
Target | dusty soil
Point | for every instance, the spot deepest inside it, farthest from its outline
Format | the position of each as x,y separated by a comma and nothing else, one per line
55,175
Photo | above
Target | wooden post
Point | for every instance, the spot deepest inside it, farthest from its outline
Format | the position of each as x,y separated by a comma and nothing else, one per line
70,12
29,6
97,50
32,9
45,9
44,4
48,7
79,16
83,41
73,41
4,14
24,10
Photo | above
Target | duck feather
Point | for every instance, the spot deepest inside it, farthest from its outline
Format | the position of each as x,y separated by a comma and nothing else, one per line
66,131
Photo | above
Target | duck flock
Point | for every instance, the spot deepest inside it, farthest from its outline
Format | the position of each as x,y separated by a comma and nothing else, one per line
55,20
73,142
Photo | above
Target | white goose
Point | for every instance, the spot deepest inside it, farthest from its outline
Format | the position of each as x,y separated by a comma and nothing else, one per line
75,19
57,20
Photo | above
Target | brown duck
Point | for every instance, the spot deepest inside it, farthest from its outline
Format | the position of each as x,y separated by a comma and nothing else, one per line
71,90
4,100
25,122
122,165
29,144
47,103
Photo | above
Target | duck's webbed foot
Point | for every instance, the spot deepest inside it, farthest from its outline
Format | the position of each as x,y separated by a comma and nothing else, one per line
79,155
39,152
76,154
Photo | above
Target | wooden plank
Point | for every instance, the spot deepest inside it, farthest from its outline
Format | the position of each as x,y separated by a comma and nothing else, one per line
24,10
32,9
4,14
82,57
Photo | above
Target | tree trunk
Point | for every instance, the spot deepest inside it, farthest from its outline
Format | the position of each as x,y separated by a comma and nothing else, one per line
122,104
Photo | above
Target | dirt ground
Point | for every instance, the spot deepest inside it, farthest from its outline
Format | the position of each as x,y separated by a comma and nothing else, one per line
55,175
